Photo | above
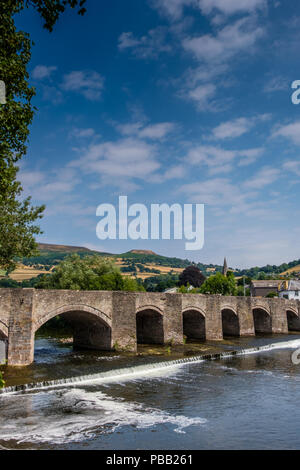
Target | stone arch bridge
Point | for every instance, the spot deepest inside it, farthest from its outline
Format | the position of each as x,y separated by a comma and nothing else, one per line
119,320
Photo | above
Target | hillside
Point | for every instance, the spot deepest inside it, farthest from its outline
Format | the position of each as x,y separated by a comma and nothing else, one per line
46,247
143,264
293,270
285,269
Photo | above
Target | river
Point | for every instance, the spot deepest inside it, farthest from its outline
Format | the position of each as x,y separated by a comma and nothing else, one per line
159,399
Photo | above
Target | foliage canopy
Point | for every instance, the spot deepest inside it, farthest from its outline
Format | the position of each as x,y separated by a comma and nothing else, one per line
88,273
192,276
219,284
16,115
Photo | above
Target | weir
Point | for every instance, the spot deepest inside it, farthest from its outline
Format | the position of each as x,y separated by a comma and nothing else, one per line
128,373
107,320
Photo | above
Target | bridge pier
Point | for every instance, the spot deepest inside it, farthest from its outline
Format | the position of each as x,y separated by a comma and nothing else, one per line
213,318
279,316
123,321
173,322
245,314
21,334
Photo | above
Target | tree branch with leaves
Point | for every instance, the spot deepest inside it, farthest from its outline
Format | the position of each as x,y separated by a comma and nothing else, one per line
17,216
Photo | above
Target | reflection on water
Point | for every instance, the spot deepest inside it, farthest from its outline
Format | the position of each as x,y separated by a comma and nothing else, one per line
240,402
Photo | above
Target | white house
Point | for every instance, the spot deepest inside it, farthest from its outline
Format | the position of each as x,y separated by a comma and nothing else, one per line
290,290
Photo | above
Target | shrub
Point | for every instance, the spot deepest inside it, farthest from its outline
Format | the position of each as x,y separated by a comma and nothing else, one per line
2,383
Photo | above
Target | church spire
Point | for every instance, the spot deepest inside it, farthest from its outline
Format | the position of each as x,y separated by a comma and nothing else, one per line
225,267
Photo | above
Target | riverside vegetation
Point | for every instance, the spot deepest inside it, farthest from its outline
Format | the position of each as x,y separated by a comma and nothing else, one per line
2,383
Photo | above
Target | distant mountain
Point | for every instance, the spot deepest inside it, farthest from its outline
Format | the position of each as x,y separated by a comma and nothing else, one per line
143,252
62,248
52,254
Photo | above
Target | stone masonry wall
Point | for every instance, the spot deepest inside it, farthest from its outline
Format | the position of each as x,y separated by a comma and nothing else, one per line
23,311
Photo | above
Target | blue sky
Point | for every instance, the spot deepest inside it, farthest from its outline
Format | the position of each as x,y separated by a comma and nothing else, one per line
175,101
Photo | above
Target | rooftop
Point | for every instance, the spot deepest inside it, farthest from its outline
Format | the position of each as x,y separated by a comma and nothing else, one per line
265,283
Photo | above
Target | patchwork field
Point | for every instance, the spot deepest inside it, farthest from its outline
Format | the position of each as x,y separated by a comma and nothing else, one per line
144,275
134,263
23,273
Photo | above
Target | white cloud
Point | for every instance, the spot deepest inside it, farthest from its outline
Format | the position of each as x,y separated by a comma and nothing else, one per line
153,131
214,52
88,83
219,160
210,156
82,133
290,132
202,95
250,156
276,84
149,45
157,131
29,179
232,129
52,94
43,71
237,127
130,128
230,7
173,172
119,162
199,86
292,166
200,75
48,186
126,40
233,38
264,177
216,191
173,9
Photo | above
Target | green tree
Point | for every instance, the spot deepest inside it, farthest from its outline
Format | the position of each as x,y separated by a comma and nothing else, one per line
231,283
2,383
192,276
240,291
240,281
17,228
16,115
219,284
271,295
88,273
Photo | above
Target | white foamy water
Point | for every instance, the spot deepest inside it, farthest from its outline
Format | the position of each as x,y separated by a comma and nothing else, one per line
291,344
154,369
74,415
182,404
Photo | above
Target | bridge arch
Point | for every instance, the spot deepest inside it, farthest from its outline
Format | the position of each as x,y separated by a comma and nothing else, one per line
149,325
193,322
293,320
262,320
230,322
91,327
